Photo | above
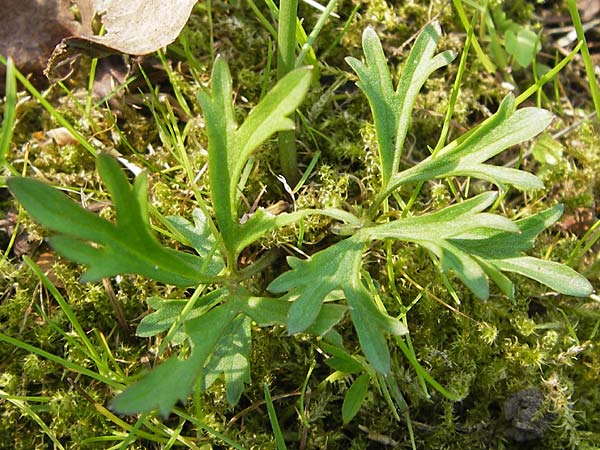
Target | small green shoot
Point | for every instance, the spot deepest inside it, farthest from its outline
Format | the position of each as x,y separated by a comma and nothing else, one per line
10,113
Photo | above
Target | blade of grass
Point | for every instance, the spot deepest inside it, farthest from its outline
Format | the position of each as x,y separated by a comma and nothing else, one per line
28,412
548,76
10,114
212,431
91,349
133,431
485,60
585,54
262,19
417,366
315,32
61,361
273,419
53,111
342,33
90,86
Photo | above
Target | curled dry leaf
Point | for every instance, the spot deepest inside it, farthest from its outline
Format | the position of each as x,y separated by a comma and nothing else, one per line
135,27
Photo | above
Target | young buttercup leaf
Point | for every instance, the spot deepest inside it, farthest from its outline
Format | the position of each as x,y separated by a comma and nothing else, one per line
230,145
392,109
231,359
108,249
338,267
474,244
151,392
504,129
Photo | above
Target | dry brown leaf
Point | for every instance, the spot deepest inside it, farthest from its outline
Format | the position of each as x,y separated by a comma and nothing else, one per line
589,9
29,31
135,27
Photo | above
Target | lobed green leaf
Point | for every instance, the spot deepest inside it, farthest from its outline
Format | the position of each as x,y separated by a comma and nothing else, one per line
504,129
200,237
179,375
338,267
127,246
392,109
230,358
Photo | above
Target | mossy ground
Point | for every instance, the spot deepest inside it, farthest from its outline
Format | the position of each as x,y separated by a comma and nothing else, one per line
488,353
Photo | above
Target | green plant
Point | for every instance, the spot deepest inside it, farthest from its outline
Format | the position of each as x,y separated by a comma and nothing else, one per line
289,30
128,246
215,324
509,41
8,121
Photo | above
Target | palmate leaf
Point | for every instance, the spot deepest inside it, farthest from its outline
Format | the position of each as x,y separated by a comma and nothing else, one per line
474,244
230,146
338,267
504,129
108,249
231,359
173,379
220,343
392,109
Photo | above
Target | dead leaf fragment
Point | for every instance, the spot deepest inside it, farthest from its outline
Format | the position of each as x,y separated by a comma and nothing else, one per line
139,27
134,27
588,8
29,31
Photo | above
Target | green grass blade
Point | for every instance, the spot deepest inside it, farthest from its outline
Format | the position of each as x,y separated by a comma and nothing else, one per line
53,111
273,419
64,305
58,360
585,53
10,114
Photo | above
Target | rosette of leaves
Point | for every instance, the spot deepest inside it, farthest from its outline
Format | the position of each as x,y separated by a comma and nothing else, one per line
215,326
477,246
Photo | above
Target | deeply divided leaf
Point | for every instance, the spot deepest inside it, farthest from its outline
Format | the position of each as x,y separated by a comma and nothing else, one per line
338,267
392,109
200,237
108,249
179,375
476,245
230,145
231,359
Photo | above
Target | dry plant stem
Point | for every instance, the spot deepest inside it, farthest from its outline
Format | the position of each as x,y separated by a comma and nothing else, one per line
286,59
114,301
